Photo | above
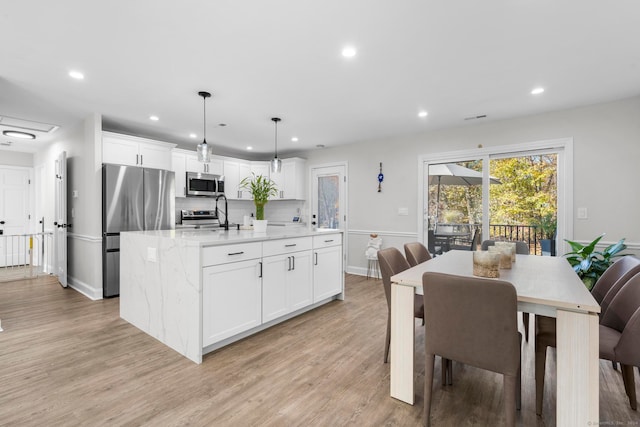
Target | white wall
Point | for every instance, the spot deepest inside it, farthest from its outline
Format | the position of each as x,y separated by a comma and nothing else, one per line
12,158
83,145
606,152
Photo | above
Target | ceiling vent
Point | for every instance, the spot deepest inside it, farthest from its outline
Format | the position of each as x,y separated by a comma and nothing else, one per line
27,125
483,116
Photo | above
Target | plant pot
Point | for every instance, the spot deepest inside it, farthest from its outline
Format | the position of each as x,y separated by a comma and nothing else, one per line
259,225
548,247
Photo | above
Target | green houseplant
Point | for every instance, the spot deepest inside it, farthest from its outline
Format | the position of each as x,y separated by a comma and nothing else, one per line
589,263
261,188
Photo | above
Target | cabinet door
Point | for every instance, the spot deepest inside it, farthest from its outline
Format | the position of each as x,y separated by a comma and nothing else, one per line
231,181
327,272
216,167
299,281
193,165
178,167
120,152
274,286
154,156
231,300
260,168
244,171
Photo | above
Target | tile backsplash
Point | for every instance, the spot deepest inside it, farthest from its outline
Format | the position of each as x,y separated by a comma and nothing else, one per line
278,210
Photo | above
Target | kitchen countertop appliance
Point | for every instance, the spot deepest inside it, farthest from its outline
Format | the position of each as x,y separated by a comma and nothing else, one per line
133,199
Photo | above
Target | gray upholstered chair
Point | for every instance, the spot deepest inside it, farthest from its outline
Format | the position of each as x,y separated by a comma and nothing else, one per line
416,253
612,328
458,326
391,263
612,280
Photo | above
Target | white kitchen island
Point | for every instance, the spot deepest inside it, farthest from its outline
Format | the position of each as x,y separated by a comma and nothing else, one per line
199,290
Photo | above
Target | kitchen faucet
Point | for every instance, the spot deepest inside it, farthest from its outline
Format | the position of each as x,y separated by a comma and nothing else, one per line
226,209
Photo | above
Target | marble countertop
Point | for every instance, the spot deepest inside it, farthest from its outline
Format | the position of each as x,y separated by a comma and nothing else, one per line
214,237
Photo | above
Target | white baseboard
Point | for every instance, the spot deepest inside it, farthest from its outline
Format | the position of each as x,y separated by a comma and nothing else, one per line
86,290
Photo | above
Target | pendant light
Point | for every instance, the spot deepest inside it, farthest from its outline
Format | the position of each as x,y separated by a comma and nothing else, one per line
276,163
203,150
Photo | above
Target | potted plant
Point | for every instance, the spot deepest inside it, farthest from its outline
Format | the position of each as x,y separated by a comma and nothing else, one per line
589,263
547,226
261,188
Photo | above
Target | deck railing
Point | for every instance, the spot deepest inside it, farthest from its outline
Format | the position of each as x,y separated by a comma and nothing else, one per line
25,255
513,232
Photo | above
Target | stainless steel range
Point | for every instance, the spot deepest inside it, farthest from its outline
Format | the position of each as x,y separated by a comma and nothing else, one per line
201,219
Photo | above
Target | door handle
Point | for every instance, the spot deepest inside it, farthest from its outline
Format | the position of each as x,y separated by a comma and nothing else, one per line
2,222
289,263
315,262
293,257
260,276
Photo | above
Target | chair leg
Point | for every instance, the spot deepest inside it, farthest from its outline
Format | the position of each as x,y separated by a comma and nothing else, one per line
541,359
519,388
428,387
629,385
510,399
450,371
614,365
525,320
387,343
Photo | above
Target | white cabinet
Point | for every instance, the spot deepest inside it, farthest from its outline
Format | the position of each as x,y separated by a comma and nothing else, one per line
134,151
290,181
234,172
260,168
214,167
286,280
328,277
231,299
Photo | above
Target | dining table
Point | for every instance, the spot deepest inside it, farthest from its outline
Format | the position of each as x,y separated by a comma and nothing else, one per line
545,286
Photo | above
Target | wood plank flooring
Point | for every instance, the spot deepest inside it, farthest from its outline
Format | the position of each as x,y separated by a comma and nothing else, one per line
66,360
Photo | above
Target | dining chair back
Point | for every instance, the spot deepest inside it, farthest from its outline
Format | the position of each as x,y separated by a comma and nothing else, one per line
620,334
460,326
391,263
613,279
416,253
522,248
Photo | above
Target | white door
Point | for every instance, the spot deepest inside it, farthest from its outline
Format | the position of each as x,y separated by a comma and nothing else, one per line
328,197
14,216
60,223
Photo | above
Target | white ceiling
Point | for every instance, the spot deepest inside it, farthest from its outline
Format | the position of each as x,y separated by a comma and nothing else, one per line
282,58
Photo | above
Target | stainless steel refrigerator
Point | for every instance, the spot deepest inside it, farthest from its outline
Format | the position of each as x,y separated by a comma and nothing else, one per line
133,199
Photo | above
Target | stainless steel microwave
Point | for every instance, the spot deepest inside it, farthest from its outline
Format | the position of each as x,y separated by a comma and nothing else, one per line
204,185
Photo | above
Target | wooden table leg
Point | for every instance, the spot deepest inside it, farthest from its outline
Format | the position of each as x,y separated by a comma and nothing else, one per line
402,342
577,374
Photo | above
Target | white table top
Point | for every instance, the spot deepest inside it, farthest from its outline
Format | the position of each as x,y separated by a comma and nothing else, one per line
540,280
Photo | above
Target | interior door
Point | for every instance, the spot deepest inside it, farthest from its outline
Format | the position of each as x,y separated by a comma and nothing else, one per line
14,216
328,197
60,223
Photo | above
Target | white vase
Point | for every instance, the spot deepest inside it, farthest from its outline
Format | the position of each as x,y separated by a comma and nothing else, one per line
260,225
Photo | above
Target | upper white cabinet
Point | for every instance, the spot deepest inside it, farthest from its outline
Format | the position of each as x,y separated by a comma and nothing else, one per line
291,179
260,168
234,172
214,167
133,151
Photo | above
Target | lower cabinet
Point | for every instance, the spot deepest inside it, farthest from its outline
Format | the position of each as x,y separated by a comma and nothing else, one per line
327,272
286,284
231,299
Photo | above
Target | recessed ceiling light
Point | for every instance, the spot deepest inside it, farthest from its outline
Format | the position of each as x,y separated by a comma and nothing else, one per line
537,91
423,114
193,135
349,52
249,148
294,139
76,75
154,118
18,134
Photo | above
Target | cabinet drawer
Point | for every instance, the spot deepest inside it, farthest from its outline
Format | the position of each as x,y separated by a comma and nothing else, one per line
325,240
214,255
285,246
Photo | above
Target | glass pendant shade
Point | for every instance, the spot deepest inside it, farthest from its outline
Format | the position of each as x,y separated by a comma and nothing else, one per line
204,152
203,149
276,163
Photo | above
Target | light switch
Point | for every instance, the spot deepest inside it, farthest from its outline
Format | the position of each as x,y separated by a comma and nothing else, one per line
582,213
152,255
403,211
74,194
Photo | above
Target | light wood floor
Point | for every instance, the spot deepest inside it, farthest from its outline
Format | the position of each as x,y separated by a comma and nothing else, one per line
66,360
